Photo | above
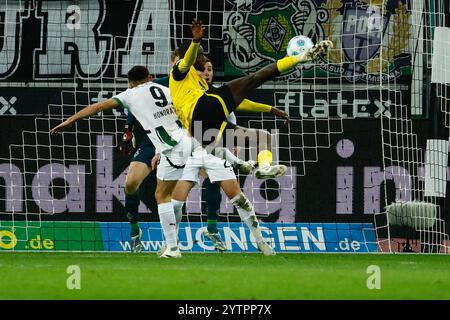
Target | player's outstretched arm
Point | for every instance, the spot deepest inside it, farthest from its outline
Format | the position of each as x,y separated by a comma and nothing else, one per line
84,113
281,114
252,106
191,54
198,30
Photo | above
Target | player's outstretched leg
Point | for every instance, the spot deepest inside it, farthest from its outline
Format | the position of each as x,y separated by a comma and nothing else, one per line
243,167
218,171
213,198
247,214
137,172
263,141
242,204
241,87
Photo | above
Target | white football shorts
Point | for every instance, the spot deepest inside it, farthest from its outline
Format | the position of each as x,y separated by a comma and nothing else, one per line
173,161
217,169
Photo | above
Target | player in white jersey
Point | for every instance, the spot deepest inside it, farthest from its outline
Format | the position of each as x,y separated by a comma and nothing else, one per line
151,104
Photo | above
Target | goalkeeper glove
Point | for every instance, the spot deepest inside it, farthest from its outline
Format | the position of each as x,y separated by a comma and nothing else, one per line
128,145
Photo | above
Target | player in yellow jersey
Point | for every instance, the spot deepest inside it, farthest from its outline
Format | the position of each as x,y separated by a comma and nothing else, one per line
201,108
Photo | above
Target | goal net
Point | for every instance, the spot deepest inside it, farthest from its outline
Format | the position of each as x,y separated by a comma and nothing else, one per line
366,146
414,140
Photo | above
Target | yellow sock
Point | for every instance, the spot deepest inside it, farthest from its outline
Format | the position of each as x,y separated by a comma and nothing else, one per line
264,158
288,63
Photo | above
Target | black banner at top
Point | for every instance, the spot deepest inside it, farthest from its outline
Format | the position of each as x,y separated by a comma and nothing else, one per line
89,40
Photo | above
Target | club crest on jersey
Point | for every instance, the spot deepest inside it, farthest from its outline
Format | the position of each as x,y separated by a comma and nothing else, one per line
370,37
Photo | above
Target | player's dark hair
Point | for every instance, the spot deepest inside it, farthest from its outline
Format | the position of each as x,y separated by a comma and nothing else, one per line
138,73
200,63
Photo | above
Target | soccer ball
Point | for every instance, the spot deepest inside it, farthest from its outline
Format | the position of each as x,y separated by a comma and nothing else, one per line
299,44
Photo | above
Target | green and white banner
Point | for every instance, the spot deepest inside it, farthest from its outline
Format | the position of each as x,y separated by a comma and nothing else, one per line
50,236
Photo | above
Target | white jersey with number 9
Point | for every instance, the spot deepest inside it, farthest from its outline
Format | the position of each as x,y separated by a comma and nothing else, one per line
151,104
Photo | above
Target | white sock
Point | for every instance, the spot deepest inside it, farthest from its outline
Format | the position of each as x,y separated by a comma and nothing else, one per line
226,154
178,210
247,214
168,223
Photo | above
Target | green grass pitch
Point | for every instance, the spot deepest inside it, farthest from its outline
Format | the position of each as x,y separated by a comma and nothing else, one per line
223,276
